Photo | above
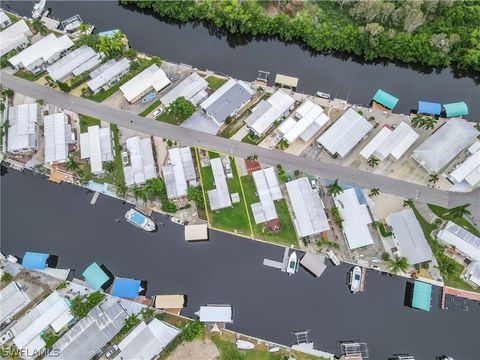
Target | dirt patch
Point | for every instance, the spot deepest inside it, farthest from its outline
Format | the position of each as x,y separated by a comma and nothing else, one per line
196,350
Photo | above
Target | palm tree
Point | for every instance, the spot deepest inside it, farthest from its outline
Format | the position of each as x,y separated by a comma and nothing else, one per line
282,144
374,192
138,192
38,26
418,121
429,123
459,211
373,161
398,264
334,189
148,314
408,203
433,179
446,266
71,164
82,28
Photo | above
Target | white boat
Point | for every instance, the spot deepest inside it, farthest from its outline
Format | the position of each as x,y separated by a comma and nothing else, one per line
331,255
177,220
292,263
276,140
274,349
244,345
323,95
355,279
38,9
140,220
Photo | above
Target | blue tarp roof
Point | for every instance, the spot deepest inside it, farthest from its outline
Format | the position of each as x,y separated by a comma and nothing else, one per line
125,288
95,276
425,107
33,260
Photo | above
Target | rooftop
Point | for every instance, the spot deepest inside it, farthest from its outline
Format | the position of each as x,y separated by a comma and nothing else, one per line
189,88
96,145
125,288
57,133
219,197
376,141
311,118
12,300
22,133
430,108
106,73
268,190
14,36
397,142
385,99
215,314
95,276
34,260
179,173
64,67
422,295
151,78
464,241
456,109
142,164
469,170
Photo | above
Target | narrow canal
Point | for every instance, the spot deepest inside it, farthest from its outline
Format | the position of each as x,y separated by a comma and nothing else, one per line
58,219
243,57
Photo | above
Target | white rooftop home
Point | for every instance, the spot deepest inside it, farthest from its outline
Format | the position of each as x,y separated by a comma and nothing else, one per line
12,300
145,342
356,218
108,74
219,197
193,88
472,274
15,36
142,164
215,314
4,20
44,51
308,208
464,241
268,191
469,170
310,119
408,237
23,131
376,141
180,173
63,68
96,145
268,111
397,142
152,78
58,134
445,144
345,133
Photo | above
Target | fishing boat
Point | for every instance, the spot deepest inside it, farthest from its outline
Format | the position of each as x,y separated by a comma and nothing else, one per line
292,263
276,140
355,279
244,345
323,95
140,220
38,9
331,255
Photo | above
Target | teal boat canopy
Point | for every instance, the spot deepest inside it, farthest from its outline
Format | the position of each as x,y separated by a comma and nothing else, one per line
422,295
385,99
95,276
456,109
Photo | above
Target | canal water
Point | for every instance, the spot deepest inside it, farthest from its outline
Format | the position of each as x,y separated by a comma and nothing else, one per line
37,215
242,58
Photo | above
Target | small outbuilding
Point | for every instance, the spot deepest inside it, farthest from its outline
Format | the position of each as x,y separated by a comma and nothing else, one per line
286,81
169,301
314,263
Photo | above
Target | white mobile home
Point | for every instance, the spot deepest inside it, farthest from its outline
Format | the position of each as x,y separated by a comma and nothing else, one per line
193,88
96,145
152,78
14,37
107,75
23,131
58,134
63,68
141,162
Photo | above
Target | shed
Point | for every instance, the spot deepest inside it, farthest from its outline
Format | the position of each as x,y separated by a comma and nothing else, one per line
314,263
196,232
215,314
95,276
34,260
125,288
169,301
385,99
456,109
287,81
422,295
429,108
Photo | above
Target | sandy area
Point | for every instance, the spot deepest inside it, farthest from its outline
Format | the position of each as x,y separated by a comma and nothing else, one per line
196,350
386,204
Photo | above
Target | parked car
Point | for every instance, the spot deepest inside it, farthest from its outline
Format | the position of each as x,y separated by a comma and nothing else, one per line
313,184
112,351
125,158
157,112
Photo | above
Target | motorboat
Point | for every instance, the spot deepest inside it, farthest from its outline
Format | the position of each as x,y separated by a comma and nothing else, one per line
292,263
276,140
38,9
140,220
323,95
355,279
244,345
331,255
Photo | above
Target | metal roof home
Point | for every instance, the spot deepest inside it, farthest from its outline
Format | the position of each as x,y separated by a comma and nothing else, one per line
422,295
311,118
43,51
14,36
268,191
126,288
23,130
215,314
456,109
469,170
144,342
227,100
345,133
385,99
95,276
356,218
472,273
464,241
180,173
444,144
308,207
96,145
219,197
57,134
34,260
409,237
193,88
12,300
397,142
142,164
87,65
429,108
376,141
268,111
63,68
4,20
107,73
152,78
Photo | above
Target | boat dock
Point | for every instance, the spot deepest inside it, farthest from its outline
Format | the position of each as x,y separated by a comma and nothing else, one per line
277,264
362,282
461,293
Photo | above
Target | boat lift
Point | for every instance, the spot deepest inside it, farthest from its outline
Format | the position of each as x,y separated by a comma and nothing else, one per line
71,24
263,76
354,350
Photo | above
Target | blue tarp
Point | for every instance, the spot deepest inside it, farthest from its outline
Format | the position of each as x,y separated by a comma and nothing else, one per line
125,288
358,191
33,260
425,107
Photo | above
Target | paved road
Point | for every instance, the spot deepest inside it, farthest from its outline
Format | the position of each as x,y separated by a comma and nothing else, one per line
195,138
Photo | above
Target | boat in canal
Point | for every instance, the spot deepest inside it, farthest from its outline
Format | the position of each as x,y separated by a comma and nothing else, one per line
331,255
323,95
38,9
292,263
355,279
140,220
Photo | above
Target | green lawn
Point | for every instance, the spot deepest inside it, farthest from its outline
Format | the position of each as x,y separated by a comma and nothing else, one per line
28,75
86,121
443,214
286,236
117,148
150,108
165,117
214,82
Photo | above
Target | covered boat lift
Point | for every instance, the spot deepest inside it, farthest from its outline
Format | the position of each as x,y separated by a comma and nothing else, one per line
35,261
196,232
422,296
315,264
429,108
286,81
95,276
170,302
126,288
215,314
456,109
385,99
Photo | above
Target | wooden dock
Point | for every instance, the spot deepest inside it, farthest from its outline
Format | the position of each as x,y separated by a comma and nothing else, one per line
364,275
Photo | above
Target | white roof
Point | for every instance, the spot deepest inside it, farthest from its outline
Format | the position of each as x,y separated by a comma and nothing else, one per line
378,139
469,170
57,134
463,240
189,88
63,67
151,78
96,144
220,196
87,65
268,190
263,117
409,237
215,314
22,133
355,219
397,143
196,232
43,50
144,342
473,272
308,207
142,164
4,17
14,36
105,74
310,119
179,172
286,125
345,133
444,144
12,300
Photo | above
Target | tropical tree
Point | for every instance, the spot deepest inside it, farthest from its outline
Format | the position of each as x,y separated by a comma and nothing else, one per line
283,144
148,314
408,203
446,266
433,178
138,192
374,192
120,189
429,123
83,28
71,164
398,264
459,211
131,54
334,188
111,46
373,161
180,109
38,26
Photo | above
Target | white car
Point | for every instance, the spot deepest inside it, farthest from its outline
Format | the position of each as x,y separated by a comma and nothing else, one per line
313,184
157,112
124,158
112,351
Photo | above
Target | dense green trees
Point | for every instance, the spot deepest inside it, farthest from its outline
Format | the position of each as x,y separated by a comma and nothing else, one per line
427,32
180,109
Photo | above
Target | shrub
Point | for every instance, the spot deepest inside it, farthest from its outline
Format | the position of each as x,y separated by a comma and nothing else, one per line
6,277
385,256
192,331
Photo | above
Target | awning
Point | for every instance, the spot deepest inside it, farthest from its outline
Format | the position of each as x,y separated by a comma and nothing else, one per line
385,99
95,276
196,232
33,260
314,263
285,80
422,295
425,107
125,288
169,301
456,109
